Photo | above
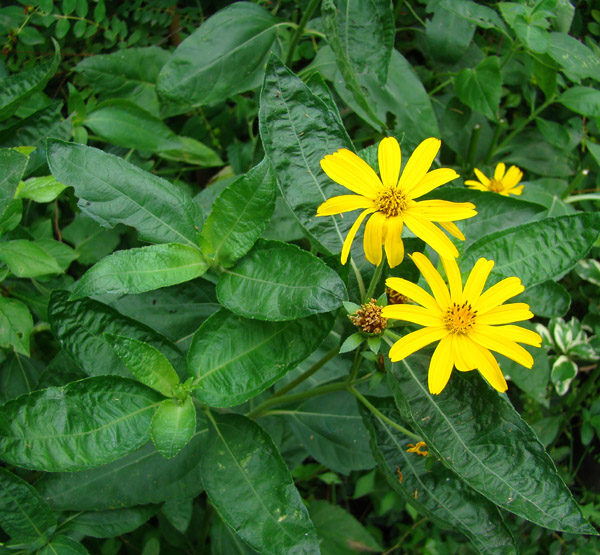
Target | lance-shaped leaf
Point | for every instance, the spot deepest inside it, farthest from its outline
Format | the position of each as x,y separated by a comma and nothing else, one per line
13,164
434,491
16,324
40,189
225,56
298,129
36,258
81,425
173,426
113,191
537,251
239,216
24,515
139,478
80,327
257,354
508,467
146,363
244,474
277,281
63,545
140,270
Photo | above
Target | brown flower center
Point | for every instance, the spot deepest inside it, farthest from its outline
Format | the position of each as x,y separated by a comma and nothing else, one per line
496,186
391,202
394,297
460,318
369,319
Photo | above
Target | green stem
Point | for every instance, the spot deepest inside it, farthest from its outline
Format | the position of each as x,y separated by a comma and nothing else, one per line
579,179
441,86
519,127
494,142
374,281
299,30
359,279
473,146
304,376
355,365
382,416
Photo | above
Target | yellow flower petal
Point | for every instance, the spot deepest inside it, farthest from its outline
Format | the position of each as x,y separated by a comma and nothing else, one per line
476,281
497,294
414,341
413,292
373,239
454,279
487,336
419,163
505,314
351,171
414,314
444,210
394,247
517,190
441,366
461,351
512,177
452,229
499,172
432,180
390,160
489,369
433,278
352,233
518,334
481,176
432,235
343,203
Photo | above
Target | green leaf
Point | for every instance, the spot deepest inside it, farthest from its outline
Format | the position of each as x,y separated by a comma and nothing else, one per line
288,111
225,56
224,540
277,281
479,15
24,515
18,87
562,374
113,191
331,430
80,327
583,100
537,251
435,492
553,132
480,88
507,467
73,427
239,216
36,258
258,354
18,374
173,426
16,325
139,478
92,241
64,545
244,474
448,34
140,270
40,189
107,524
532,36
339,532
547,299
576,59
13,164
147,364
123,123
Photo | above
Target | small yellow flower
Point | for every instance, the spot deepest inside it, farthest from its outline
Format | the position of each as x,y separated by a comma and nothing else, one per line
503,183
420,448
467,322
390,203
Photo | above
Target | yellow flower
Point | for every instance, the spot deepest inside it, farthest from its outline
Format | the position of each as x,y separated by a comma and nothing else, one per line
467,322
503,183
390,202
420,448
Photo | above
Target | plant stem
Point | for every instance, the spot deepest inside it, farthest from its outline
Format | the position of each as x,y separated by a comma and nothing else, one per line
374,281
494,142
359,279
579,179
440,86
519,127
473,146
382,416
355,365
299,30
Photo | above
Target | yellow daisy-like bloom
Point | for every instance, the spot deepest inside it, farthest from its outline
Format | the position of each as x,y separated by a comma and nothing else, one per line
390,201
466,321
503,182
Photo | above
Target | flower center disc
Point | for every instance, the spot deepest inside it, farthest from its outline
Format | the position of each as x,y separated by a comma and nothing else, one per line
496,186
460,318
391,202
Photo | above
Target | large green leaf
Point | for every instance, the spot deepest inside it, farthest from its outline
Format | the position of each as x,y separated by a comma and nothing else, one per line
139,478
537,251
113,191
278,281
547,299
257,354
298,130
13,164
18,374
244,474
140,270
239,216
63,545
225,56
24,515
331,430
583,100
480,88
447,34
125,124
224,540
80,327
92,241
16,325
508,467
36,258
74,427
18,87
576,59
433,490
173,426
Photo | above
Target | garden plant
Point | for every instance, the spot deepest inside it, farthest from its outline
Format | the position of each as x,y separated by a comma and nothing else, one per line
299,277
